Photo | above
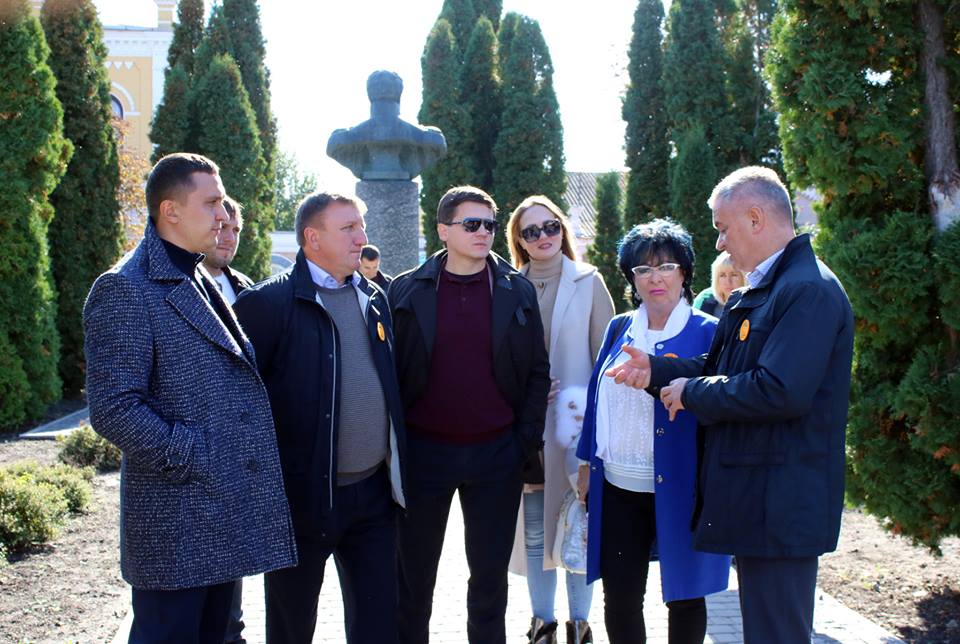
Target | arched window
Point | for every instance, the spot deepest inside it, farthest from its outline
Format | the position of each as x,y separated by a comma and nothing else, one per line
116,106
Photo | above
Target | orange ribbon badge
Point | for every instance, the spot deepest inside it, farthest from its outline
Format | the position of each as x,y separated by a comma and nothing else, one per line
380,332
744,330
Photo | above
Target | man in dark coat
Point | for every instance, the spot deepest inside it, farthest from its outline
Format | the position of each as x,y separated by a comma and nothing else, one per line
324,337
771,398
474,375
201,493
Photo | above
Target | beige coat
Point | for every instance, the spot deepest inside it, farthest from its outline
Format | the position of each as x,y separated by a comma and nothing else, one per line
571,362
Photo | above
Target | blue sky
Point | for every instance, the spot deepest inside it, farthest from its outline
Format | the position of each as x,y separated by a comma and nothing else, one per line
320,53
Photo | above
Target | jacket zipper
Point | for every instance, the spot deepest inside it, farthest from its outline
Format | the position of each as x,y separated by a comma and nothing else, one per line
333,410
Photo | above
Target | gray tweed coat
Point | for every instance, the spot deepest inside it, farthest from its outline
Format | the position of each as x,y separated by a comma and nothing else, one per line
201,495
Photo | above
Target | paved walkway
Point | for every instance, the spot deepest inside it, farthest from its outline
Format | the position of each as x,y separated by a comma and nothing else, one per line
60,427
833,622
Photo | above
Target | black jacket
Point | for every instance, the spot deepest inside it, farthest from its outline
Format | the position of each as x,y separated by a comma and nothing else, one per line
238,280
521,367
383,280
298,356
771,399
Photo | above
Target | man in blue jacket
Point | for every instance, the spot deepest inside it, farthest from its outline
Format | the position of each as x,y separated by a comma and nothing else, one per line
201,494
771,398
324,337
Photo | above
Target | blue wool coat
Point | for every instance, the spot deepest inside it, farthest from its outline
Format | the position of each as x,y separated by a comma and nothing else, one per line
201,495
684,573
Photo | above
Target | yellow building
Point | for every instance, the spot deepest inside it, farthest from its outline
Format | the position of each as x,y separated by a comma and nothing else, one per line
137,58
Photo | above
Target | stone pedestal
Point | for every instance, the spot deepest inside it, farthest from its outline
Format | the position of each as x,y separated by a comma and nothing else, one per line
393,222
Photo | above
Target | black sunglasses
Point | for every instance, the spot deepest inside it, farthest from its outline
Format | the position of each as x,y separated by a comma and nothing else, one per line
472,224
550,228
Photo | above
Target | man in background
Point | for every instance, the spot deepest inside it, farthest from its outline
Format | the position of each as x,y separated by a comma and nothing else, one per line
217,259
370,266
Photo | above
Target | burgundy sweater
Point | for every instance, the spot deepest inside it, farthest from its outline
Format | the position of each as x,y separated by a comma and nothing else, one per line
461,402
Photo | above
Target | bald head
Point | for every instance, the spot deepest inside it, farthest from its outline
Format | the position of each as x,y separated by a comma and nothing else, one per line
757,186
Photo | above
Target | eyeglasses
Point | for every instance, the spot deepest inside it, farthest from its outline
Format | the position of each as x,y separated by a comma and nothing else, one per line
646,272
550,228
472,224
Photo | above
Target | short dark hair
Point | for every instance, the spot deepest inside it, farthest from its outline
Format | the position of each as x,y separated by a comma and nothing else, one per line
462,194
171,175
369,252
314,204
234,209
659,240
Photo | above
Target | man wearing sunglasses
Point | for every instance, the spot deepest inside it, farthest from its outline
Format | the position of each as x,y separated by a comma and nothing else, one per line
474,377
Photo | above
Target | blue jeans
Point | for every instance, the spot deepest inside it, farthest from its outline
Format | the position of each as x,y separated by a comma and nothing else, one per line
541,583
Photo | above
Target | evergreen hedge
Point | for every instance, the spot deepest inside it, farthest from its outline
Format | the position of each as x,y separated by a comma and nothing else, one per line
609,231
528,153
229,136
646,142
846,80
33,157
87,226
442,107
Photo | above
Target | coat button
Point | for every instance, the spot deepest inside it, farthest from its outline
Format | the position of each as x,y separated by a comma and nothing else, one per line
328,415
330,355
660,431
252,465
245,417
659,478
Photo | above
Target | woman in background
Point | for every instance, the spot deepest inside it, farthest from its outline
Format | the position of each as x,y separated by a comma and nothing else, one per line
575,307
724,280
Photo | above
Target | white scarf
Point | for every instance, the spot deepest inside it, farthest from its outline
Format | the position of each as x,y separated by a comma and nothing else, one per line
635,336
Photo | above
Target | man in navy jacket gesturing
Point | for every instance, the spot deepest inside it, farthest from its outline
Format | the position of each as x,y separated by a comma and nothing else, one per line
771,398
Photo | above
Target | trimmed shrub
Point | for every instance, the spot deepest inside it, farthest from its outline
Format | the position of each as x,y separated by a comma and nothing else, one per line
31,512
86,448
72,482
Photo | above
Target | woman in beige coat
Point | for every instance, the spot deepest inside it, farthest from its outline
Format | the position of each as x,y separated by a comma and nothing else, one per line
575,307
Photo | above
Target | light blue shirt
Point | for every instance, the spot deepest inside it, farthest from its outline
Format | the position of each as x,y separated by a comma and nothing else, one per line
323,279
756,276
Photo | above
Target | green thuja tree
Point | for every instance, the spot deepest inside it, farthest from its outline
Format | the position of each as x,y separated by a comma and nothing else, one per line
491,9
33,157
528,153
169,131
693,173
442,107
745,37
849,80
609,226
647,144
480,88
230,137
89,234
249,52
693,78
462,16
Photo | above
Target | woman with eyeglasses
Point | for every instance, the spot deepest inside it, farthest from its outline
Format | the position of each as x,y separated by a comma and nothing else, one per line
575,307
638,469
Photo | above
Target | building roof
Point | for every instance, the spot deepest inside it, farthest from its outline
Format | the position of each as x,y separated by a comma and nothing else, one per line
581,196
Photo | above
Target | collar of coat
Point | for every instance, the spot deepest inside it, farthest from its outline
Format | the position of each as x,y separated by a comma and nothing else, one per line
797,251
303,286
501,271
160,266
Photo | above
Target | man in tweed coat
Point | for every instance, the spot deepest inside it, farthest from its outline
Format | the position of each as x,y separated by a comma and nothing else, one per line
201,494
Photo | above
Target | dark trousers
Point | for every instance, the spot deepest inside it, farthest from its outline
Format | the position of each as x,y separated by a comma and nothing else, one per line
629,528
487,480
360,533
776,599
235,624
187,616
